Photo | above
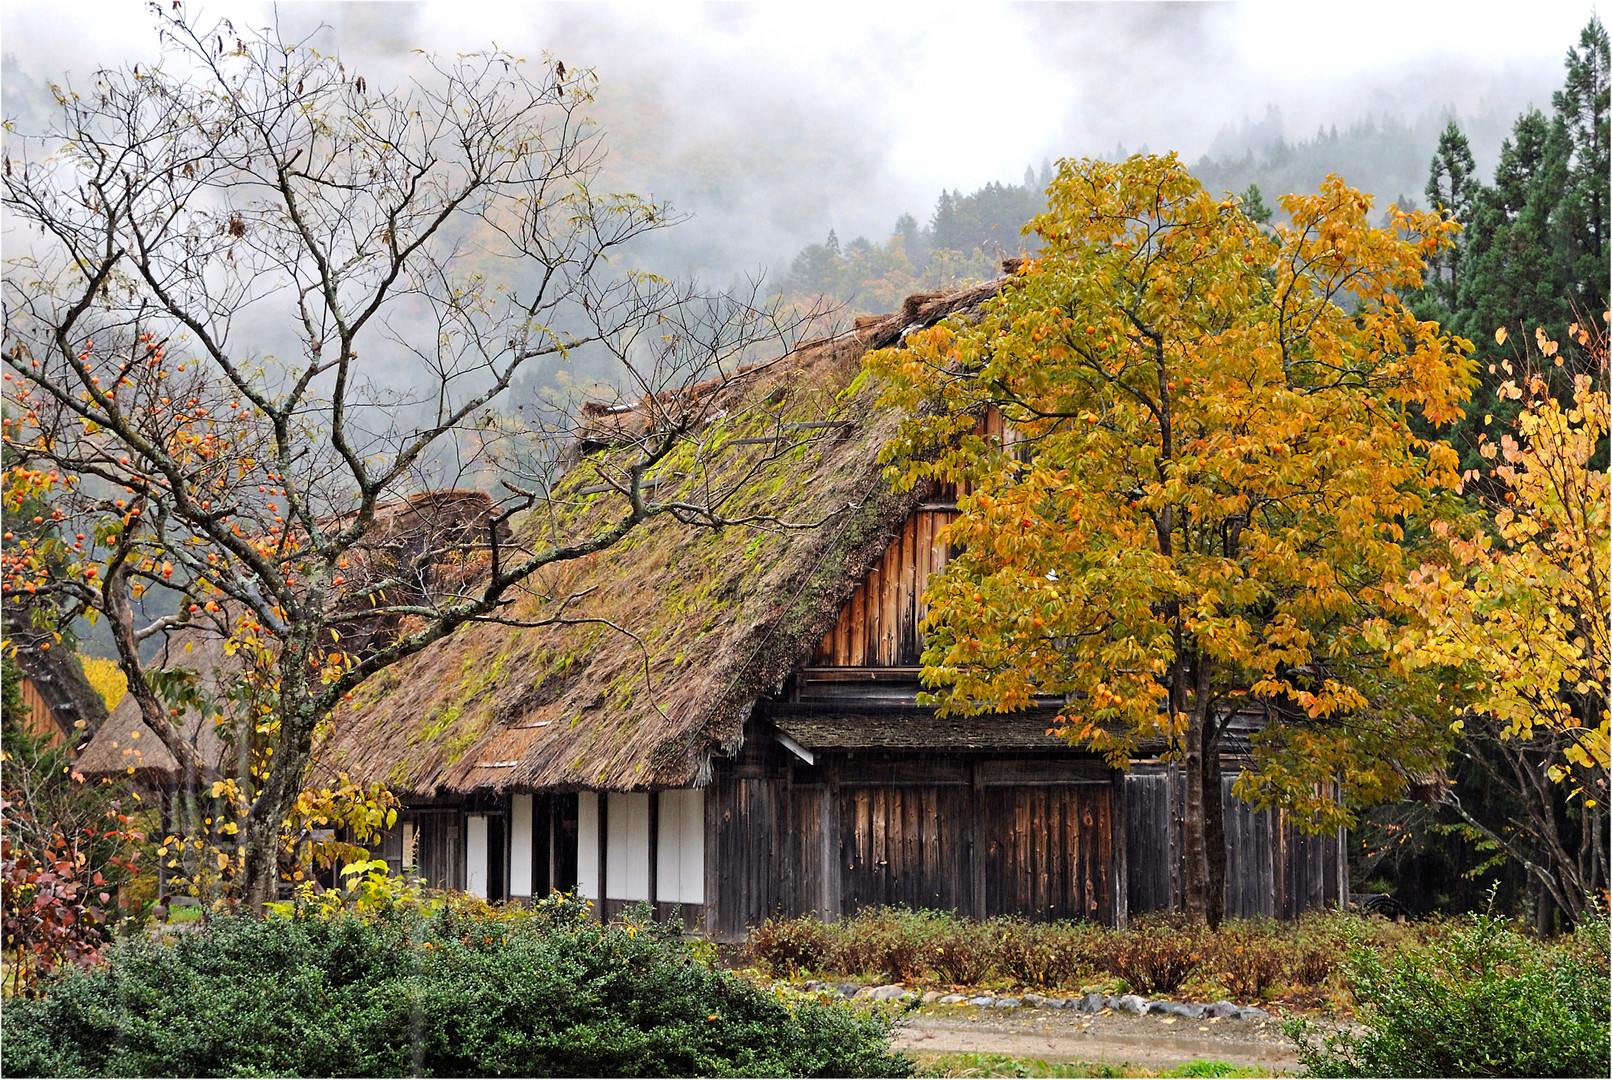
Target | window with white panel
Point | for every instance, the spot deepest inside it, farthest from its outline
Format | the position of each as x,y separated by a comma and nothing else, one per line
627,846
680,852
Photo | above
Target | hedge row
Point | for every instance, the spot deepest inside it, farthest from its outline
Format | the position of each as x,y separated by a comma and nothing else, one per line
544,994
1157,955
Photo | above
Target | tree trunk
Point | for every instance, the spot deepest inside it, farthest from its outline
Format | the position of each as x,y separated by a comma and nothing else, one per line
278,795
1197,882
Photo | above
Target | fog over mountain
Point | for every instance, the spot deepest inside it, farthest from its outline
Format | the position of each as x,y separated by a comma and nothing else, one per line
772,125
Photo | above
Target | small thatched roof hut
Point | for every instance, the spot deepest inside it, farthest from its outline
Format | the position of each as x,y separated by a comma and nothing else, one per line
430,540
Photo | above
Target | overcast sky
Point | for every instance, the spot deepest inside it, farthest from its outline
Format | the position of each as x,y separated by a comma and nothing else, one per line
777,122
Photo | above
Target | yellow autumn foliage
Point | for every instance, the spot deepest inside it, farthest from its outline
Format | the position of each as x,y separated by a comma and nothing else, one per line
106,677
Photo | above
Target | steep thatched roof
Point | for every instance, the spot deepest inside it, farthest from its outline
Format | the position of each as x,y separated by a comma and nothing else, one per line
689,625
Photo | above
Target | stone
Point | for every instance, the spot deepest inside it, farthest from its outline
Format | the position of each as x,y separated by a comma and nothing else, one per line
1251,1013
982,1000
1033,1001
1057,1003
849,989
1093,1003
1132,1003
1007,1003
889,992
952,999
1225,1010
931,996
1176,1008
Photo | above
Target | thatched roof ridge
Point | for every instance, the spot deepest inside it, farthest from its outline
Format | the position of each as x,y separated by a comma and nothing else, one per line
717,619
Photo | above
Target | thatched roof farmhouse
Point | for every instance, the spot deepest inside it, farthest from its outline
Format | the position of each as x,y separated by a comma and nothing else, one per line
724,721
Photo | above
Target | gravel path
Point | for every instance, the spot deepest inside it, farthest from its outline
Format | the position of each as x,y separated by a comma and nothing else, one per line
1152,1041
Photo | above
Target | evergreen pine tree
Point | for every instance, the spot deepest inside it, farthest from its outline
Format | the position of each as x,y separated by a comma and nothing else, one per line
1452,187
1254,207
911,242
1582,107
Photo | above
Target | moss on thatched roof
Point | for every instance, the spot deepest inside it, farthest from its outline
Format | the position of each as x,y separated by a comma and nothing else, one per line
672,634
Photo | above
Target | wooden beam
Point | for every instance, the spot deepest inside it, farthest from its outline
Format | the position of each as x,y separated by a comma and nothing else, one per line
654,848
861,673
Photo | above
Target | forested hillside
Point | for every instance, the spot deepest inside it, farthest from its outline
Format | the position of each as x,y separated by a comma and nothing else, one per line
1535,234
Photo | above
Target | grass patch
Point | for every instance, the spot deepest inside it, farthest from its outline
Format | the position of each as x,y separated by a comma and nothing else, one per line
993,1065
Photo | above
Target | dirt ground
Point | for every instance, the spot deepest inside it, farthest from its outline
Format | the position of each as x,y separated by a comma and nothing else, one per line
1152,1041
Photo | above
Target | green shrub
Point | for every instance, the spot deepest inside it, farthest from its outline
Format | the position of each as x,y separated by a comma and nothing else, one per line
1485,1001
445,994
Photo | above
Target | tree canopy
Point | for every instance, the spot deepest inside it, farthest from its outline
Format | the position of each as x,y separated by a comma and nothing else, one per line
1211,478
255,307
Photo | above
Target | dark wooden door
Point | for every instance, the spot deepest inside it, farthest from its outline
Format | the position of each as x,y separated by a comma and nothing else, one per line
1047,851
904,844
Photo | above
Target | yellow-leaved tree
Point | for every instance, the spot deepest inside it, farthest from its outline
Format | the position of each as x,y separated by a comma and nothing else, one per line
1213,475
1514,617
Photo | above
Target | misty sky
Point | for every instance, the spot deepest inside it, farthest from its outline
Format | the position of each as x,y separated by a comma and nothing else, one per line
776,123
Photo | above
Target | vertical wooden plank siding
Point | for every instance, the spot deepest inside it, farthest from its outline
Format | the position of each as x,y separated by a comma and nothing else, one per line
906,631
747,825
38,720
904,844
1047,851
1273,869
878,627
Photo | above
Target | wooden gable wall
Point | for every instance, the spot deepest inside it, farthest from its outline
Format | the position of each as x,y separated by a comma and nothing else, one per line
879,626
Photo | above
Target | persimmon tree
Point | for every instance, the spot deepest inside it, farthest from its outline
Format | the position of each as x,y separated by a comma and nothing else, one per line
1211,478
1513,616
253,304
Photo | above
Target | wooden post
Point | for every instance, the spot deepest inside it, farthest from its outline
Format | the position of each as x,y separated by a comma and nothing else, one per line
1120,841
976,842
604,832
654,852
714,859
833,858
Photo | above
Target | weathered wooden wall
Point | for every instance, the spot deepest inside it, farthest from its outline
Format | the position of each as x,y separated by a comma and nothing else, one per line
38,720
905,845
879,626
1048,851
979,835
1273,868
